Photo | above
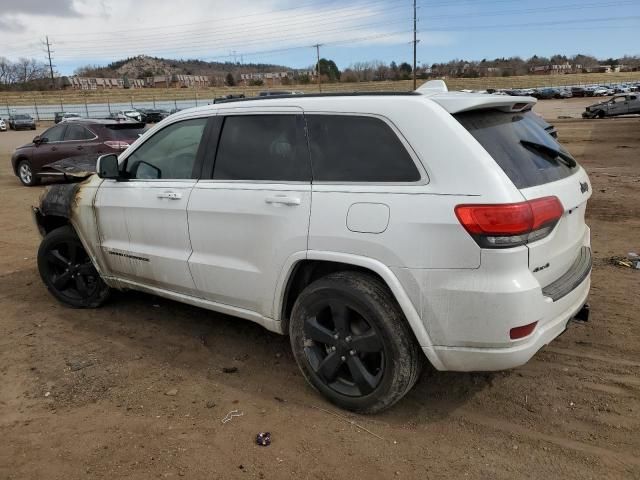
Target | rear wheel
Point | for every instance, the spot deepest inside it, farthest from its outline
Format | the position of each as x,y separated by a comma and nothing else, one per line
67,270
26,175
352,342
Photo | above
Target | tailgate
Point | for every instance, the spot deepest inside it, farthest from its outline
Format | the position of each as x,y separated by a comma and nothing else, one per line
552,256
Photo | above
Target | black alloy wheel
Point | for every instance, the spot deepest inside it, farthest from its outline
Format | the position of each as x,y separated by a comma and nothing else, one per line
68,272
353,343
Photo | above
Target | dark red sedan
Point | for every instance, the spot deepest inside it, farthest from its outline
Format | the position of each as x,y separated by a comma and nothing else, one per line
77,138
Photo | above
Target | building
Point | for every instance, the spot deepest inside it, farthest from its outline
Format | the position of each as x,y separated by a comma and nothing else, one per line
177,81
276,78
91,83
556,69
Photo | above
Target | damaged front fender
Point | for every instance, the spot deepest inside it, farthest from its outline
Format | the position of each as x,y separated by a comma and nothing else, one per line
56,206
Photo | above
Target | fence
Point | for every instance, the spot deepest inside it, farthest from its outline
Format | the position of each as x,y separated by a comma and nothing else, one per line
100,103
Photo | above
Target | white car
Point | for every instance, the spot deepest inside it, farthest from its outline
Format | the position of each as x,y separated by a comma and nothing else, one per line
602,91
132,114
3,125
375,230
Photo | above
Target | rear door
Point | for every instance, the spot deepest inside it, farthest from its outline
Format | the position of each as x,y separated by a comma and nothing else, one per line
78,140
252,213
524,151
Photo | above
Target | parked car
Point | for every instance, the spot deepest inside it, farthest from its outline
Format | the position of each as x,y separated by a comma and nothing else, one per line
546,93
564,93
578,92
71,138
131,114
620,104
3,125
373,250
600,91
60,116
269,93
21,121
153,115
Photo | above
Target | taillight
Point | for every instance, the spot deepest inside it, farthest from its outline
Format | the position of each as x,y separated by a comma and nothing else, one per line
510,224
116,144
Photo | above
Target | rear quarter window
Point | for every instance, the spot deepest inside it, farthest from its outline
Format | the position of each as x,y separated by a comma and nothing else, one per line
501,134
350,148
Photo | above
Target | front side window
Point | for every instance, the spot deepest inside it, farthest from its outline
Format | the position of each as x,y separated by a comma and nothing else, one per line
261,147
169,154
54,134
347,148
77,132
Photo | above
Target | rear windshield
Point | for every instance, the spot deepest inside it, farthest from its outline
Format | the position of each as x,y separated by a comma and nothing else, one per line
125,132
502,135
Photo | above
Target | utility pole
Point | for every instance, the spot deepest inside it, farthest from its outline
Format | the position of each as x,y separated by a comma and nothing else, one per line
50,64
318,45
415,44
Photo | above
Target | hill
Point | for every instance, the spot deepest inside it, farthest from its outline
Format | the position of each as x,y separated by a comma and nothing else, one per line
144,66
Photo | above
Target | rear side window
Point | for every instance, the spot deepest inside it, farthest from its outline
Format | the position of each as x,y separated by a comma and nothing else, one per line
347,148
261,147
519,144
77,132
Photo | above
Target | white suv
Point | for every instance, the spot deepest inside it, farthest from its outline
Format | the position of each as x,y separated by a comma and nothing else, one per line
375,230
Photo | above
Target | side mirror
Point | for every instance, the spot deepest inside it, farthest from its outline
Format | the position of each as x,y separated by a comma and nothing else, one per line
107,166
38,140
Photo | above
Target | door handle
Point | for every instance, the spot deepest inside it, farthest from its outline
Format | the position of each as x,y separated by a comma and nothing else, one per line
283,200
53,149
79,147
170,195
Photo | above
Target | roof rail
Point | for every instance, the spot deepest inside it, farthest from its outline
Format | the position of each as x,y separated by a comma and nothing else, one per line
315,95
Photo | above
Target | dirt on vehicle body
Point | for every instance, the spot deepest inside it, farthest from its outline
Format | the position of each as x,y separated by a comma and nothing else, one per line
138,389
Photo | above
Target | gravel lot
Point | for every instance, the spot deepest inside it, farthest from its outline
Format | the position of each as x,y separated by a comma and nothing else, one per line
136,389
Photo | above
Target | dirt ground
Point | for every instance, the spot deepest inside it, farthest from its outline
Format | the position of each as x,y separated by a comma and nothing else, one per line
136,389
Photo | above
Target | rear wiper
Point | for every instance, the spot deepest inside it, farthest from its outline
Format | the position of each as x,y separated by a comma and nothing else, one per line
552,152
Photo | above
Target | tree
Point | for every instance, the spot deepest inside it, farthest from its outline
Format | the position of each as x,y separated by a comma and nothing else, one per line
329,69
229,80
405,70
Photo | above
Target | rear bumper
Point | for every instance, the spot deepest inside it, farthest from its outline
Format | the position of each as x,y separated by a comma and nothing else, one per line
469,314
466,359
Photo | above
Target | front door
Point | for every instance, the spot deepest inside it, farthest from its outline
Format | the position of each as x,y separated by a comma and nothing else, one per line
618,106
51,148
143,220
252,214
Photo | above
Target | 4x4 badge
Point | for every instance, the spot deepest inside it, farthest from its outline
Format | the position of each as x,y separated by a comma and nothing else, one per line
584,187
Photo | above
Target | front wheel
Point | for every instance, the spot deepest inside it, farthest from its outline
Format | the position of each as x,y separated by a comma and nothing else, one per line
352,342
600,114
26,175
67,270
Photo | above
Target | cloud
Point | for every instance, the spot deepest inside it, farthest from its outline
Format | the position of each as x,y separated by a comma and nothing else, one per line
56,8
11,25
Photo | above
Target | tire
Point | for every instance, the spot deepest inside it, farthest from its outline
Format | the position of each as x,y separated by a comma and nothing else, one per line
352,342
600,114
26,174
67,271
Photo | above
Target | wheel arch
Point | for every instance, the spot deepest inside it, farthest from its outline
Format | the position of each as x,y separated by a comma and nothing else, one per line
302,270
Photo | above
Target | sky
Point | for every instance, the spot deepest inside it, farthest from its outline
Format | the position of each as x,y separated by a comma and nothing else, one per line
284,32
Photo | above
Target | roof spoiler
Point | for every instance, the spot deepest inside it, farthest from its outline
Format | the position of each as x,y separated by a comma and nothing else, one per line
433,86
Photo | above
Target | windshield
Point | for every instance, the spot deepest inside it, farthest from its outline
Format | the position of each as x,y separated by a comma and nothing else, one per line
520,146
22,117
